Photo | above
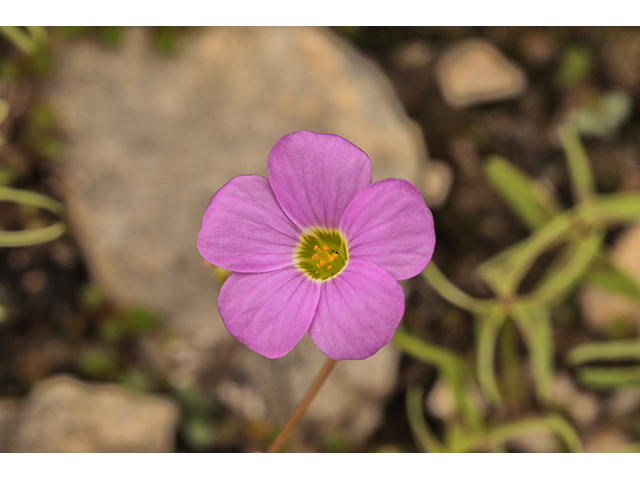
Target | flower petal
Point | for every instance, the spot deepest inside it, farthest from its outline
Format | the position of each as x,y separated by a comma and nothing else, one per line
389,224
245,230
268,312
358,312
314,176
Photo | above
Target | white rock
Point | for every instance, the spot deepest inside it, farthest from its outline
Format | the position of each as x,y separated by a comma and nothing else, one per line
62,414
475,71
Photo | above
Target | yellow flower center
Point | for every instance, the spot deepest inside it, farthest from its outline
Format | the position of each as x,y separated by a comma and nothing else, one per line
321,253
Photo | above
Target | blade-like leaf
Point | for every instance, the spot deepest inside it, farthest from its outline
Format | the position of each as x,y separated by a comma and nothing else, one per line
505,271
613,209
582,182
487,331
529,200
609,378
570,266
534,323
605,274
605,352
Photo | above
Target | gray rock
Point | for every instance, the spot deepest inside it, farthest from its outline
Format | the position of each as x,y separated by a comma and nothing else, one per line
435,183
62,414
8,415
624,402
150,140
606,440
475,71
582,407
543,442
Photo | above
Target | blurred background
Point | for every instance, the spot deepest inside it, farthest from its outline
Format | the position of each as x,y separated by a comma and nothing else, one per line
114,139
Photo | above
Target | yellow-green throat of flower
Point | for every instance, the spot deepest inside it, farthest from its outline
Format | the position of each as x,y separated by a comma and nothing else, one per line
321,254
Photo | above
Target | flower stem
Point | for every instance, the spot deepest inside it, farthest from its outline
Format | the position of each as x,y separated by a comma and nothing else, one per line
284,434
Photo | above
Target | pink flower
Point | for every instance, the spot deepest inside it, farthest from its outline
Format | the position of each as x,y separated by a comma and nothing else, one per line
316,248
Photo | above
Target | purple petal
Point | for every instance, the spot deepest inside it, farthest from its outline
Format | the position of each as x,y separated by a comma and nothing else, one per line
315,176
358,312
268,312
245,230
389,224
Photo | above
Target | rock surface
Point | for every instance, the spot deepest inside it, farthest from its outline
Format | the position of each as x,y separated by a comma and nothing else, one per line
475,71
62,414
8,414
150,140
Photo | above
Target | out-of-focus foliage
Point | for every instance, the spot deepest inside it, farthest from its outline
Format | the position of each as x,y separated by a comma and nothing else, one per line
578,235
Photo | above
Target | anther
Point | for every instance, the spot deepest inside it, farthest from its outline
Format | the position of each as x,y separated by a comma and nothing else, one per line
325,248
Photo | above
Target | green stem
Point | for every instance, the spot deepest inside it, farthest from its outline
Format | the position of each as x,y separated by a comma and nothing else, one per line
488,329
441,358
453,294
453,369
419,428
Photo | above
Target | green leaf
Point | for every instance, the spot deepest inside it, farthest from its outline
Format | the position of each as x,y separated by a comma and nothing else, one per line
503,433
529,200
487,332
605,352
609,378
570,266
422,434
31,236
453,294
534,323
603,115
582,182
613,209
607,275
505,271
34,235
441,358
28,40
4,109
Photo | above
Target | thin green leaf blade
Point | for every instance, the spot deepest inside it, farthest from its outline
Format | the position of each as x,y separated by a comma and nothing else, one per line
607,275
529,200
569,268
487,332
534,323
582,183
505,271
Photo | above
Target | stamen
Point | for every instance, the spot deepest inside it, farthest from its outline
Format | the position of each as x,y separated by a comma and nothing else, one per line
322,254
